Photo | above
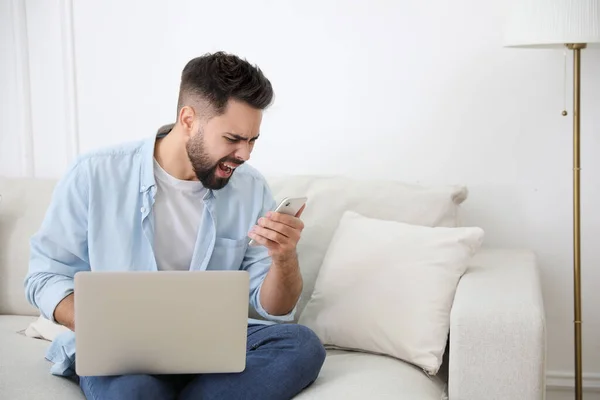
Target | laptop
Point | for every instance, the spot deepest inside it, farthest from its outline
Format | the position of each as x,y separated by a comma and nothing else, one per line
167,322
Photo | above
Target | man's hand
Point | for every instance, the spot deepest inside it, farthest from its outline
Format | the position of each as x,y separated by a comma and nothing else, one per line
279,233
64,313
282,286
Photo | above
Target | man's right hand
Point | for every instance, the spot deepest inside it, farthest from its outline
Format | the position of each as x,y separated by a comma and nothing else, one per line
64,313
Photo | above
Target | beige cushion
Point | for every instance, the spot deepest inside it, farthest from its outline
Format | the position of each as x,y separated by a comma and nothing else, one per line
329,197
387,287
24,203
24,372
359,376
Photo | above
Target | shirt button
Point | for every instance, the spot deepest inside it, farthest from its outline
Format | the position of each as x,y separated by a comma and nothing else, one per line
143,188
142,209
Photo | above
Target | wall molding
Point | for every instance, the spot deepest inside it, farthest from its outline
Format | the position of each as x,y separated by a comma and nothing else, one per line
562,380
19,17
70,79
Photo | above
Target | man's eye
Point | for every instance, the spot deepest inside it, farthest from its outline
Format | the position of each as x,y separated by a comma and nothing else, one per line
230,140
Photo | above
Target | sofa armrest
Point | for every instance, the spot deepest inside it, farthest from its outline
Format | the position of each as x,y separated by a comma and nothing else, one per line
497,340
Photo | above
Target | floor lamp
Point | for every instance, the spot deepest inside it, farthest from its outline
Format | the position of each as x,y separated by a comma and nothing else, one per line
574,25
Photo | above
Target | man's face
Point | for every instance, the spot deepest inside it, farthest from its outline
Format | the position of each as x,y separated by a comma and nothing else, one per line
223,143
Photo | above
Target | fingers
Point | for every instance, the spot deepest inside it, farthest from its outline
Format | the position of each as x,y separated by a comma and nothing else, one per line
289,220
278,232
262,240
271,235
283,229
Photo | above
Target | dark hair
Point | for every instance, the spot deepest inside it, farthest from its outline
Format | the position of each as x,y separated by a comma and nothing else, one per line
219,77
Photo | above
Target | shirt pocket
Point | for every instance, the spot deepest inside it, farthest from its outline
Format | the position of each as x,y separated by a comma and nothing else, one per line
228,254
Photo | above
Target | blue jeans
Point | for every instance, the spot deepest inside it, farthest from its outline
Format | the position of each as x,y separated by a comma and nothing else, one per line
281,361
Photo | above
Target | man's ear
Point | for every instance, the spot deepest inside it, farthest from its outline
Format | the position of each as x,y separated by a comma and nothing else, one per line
187,119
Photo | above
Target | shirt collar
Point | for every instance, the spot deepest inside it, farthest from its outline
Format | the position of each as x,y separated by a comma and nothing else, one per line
147,179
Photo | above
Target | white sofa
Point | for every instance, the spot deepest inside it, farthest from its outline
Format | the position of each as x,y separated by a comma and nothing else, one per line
497,326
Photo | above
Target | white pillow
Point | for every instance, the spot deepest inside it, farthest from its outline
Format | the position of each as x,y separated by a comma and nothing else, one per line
387,287
330,196
43,328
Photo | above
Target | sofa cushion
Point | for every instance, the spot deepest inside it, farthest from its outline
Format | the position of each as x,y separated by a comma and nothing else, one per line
24,203
348,376
330,196
380,277
24,372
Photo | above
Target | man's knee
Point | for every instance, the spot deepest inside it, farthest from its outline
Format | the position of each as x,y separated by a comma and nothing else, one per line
314,350
309,352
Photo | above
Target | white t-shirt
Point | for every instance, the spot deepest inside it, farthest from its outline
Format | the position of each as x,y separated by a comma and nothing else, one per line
178,211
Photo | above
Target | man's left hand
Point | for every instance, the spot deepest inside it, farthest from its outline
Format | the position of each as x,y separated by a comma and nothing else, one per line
279,233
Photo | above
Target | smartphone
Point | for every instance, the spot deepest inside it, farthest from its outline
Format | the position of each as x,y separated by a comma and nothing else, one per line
289,206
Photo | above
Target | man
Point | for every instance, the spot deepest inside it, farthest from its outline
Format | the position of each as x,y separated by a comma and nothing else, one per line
183,200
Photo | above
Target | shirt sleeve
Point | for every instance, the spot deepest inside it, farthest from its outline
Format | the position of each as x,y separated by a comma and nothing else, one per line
59,248
258,262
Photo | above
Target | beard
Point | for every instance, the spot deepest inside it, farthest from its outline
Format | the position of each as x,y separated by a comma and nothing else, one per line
204,168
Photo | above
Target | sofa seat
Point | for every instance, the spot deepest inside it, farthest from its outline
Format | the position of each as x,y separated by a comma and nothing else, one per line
345,375
352,375
24,372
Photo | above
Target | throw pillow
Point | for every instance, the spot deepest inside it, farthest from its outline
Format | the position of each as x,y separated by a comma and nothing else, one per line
43,328
387,287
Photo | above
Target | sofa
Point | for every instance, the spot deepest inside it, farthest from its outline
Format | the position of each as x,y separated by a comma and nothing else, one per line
495,348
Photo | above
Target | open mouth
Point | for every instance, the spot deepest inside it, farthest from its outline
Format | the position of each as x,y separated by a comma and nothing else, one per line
226,169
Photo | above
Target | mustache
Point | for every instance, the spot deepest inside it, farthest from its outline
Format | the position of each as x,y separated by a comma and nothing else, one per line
231,160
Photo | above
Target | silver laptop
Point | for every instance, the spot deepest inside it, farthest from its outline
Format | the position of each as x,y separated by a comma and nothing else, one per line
167,322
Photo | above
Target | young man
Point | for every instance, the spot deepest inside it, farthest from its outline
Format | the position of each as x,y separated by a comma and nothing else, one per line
183,200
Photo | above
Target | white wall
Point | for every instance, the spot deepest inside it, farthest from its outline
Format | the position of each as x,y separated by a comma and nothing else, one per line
423,88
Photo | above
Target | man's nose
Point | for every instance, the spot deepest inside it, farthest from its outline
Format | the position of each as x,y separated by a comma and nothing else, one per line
243,152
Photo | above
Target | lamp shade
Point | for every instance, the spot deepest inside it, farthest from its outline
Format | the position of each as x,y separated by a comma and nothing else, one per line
553,23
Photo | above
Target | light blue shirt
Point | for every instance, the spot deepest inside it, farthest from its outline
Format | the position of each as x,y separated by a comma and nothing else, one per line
100,218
